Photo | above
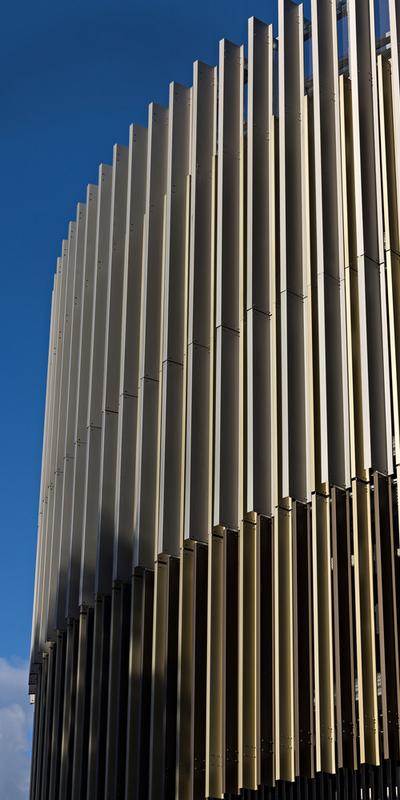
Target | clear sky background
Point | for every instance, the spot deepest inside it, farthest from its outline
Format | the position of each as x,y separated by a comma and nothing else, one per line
73,76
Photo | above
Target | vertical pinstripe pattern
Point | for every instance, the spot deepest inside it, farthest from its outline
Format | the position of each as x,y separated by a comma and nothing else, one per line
217,587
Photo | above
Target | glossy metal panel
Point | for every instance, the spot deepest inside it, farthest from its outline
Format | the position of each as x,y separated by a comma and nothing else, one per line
146,487
41,728
260,267
387,615
388,145
375,398
394,17
249,656
139,694
174,333
59,698
130,342
283,647
164,680
80,426
118,690
267,650
68,724
191,711
95,389
53,443
222,661
304,682
229,290
48,722
34,655
111,371
365,624
54,539
333,409
292,268
344,643
70,423
35,734
96,766
199,403
82,704
215,669
323,635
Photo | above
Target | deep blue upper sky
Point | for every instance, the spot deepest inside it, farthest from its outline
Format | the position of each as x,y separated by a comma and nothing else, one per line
73,76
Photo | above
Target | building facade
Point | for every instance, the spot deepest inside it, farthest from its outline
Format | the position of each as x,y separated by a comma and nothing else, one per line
217,591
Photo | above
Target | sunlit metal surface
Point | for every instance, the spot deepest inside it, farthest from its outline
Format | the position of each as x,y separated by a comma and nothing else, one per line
217,592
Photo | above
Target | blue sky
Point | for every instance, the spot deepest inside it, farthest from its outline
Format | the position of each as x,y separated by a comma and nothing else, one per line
73,76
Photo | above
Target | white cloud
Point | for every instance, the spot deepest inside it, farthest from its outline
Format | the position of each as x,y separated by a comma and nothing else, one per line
16,716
